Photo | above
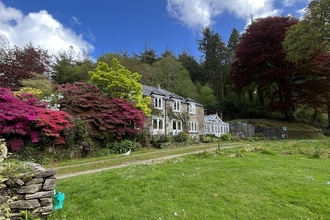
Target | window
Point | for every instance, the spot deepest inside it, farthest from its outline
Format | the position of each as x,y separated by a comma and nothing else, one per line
176,106
158,102
192,108
158,125
193,126
177,126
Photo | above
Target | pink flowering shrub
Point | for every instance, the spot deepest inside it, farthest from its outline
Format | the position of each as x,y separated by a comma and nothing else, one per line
23,118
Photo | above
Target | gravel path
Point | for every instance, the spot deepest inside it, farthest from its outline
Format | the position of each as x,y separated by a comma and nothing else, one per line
129,163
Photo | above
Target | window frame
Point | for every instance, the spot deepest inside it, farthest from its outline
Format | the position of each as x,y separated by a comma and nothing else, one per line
176,105
193,126
158,128
177,126
158,102
192,108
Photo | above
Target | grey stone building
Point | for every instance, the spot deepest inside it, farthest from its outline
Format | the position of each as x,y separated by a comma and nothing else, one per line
172,114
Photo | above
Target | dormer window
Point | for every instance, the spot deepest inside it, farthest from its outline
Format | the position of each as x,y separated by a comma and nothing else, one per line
176,105
158,102
192,108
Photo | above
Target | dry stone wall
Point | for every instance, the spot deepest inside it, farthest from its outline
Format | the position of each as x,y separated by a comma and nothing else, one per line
278,133
247,129
34,191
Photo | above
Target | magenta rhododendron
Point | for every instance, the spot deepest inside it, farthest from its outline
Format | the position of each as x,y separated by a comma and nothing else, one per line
23,117
15,144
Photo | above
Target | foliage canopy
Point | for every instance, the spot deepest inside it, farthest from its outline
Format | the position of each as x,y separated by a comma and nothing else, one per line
261,64
121,83
18,64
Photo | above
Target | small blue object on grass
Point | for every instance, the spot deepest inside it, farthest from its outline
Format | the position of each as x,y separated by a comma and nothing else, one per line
58,200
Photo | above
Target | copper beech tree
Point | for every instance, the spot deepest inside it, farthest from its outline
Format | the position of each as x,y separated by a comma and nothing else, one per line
17,64
261,65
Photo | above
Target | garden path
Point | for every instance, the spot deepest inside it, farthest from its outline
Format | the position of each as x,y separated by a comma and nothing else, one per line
124,164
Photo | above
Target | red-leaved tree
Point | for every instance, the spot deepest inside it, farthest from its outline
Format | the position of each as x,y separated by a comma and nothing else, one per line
261,64
18,64
108,118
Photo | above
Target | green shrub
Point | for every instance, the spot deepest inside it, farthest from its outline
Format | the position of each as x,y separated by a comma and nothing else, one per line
120,147
235,138
207,139
193,140
143,140
260,135
210,138
225,137
76,134
164,138
181,137
28,215
154,141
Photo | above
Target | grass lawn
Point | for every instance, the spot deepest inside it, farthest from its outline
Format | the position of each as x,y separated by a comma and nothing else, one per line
274,180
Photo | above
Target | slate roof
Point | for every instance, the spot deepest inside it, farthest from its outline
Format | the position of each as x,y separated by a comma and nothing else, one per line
148,91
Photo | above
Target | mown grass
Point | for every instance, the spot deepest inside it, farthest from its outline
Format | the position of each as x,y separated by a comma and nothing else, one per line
269,180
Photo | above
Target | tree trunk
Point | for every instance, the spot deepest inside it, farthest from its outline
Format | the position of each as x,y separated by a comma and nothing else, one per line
239,94
289,113
250,95
261,98
315,114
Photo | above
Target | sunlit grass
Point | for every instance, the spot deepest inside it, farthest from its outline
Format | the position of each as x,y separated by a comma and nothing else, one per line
277,180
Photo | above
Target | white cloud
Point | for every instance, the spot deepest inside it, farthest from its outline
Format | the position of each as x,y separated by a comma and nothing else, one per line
196,14
290,3
200,13
41,29
193,13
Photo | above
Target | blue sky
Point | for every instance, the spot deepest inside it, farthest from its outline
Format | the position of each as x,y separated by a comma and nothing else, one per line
104,26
